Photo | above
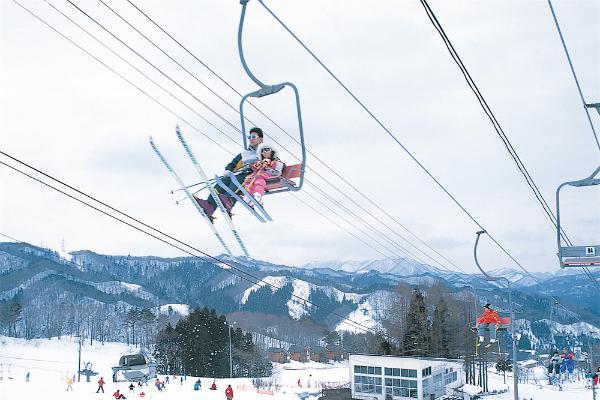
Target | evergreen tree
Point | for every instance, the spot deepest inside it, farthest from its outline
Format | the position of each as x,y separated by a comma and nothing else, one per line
416,340
440,334
166,352
199,346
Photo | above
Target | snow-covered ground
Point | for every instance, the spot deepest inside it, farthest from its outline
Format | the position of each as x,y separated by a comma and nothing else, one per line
51,362
541,391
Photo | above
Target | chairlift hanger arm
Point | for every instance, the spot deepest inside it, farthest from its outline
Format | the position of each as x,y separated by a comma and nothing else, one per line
265,90
488,277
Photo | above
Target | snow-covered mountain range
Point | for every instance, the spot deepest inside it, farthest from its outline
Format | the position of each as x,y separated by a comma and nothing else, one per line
320,291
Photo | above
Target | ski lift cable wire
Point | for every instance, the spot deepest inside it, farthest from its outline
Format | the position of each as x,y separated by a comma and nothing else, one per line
409,153
231,106
171,58
482,102
164,74
295,195
154,82
62,35
394,252
143,74
109,67
51,5
564,45
123,77
399,247
214,112
498,128
297,142
233,140
179,244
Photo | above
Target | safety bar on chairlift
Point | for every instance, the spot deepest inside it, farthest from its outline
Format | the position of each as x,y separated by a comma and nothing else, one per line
589,181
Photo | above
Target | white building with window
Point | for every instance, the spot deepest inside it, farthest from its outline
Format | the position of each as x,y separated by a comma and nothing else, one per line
398,377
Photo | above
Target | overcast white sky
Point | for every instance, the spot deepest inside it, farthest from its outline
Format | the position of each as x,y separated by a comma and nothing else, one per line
68,115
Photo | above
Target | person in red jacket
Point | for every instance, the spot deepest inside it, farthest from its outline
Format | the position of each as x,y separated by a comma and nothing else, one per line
229,392
488,318
118,395
100,385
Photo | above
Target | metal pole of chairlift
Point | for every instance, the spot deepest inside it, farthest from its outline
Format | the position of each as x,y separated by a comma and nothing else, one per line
230,357
266,90
512,318
79,361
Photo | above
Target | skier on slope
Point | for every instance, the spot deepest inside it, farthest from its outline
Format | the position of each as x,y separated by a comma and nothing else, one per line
100,385
554,366
267,166
229,392
568,363
489,319
255,137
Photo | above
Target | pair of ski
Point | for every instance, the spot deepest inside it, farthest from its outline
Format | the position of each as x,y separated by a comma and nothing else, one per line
212,191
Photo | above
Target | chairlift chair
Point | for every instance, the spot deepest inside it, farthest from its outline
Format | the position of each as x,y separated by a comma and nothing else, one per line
286,181
576,256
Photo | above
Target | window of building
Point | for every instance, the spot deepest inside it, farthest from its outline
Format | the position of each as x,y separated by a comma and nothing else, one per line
362,369
401,387
450,377
406,373
426,388
367,384
438,384
426,372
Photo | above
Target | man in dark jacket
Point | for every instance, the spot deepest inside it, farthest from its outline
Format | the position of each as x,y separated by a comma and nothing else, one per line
255,137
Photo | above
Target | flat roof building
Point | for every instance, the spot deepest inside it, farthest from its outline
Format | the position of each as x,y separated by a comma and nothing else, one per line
399,377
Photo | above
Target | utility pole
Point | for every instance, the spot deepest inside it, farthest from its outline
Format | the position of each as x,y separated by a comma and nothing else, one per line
79,362
230,357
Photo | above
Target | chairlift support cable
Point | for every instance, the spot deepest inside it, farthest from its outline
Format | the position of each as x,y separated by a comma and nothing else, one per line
186,121
294,139
233,267
585,105
108,48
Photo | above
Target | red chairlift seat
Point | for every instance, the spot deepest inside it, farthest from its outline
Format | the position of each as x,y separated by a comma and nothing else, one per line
289,172
502,326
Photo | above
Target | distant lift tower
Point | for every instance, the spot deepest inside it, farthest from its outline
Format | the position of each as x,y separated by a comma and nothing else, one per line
577,256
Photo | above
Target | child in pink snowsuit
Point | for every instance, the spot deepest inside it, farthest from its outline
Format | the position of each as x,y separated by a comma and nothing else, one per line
266,167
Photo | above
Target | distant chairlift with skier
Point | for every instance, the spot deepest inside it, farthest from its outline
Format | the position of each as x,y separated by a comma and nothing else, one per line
576,256
491,322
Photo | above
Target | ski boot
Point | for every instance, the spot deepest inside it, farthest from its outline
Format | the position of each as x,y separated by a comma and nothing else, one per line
227,203
208,208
